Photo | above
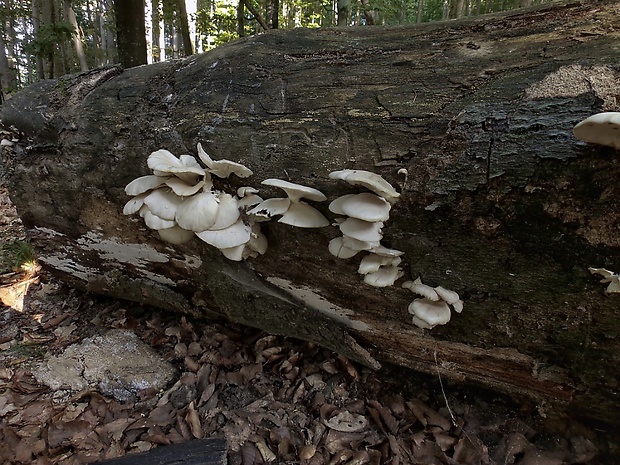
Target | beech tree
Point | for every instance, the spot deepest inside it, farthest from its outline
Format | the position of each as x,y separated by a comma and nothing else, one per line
130,32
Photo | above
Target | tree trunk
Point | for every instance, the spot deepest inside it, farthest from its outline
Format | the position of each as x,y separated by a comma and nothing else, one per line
130,32
500,203
77,38
184,29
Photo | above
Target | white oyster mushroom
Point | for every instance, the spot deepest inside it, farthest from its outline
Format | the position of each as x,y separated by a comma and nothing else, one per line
608,277
235,254
223,168
235,235
384,251
227,212
176,235
367,179
163,203
162,161
302,215
297,213
362,230
144,184
422,289
356,244
337,248
248,197
365,206
271,207
155,222
383,277
296,192
373,262
602,129
135,204
450,297
427,314
185,189
199,212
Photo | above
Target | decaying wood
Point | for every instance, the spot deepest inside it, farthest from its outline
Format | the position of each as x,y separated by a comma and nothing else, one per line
196,452
500,202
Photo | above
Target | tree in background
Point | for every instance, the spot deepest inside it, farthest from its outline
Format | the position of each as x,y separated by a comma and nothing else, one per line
42,39
130,32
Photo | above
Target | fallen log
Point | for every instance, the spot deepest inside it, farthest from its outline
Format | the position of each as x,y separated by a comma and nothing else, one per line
470,120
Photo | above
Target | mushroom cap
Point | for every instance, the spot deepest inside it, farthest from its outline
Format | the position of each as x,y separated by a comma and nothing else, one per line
246,190
602,128
135,204
370,180
271,207
183,188
155,222
227,212
223,168
361,230
365,206
384,276
422,289
235,254
428,314
608,277
295,192
258,241
163,203
448,296
199,212
176,235
144,184
163,161
384,251
356,244
302,215
237,234
373,262
337,248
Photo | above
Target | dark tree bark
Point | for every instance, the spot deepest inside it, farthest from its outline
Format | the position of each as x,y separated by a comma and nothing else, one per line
130,32
501,203
184,26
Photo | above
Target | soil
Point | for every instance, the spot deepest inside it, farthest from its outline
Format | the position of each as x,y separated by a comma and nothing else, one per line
274,399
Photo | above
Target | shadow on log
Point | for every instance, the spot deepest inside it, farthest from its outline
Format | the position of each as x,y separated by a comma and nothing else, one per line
500,203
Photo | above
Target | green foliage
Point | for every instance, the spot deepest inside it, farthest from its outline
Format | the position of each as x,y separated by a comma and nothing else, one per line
48,36
16,255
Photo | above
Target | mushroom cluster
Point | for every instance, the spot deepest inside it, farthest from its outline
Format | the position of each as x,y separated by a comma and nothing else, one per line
602,128
434,307
179,201
293,210
608,277
361,230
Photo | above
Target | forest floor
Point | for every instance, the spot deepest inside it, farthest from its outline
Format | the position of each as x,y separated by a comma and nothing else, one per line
274,399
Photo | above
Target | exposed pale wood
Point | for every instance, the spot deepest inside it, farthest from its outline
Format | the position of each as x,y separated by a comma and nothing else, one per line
501,203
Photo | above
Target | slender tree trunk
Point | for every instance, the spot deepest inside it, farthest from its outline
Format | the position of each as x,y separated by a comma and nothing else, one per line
77,37
240,19
344,12
8,77
184,29
420,12
36,25
130,32
155,32
275,14
369,14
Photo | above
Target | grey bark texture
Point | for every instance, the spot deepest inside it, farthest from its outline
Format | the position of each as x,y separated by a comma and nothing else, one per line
501,203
